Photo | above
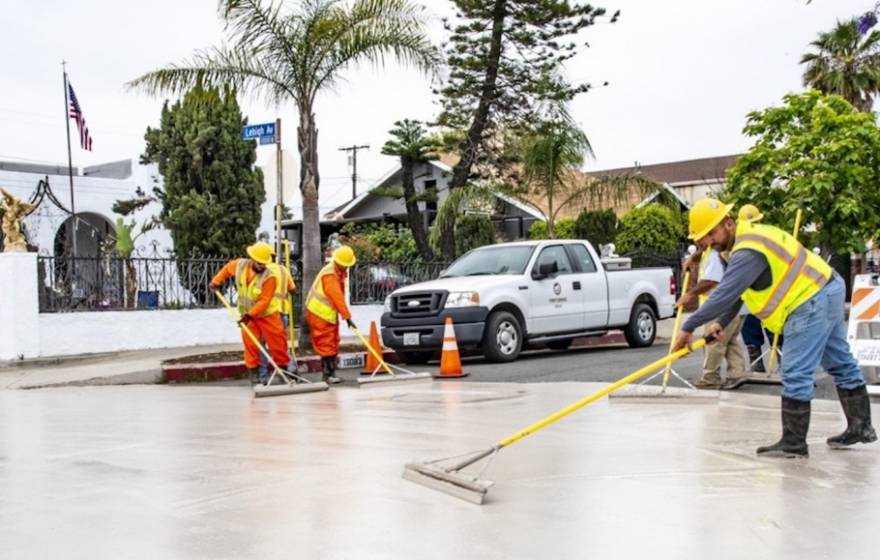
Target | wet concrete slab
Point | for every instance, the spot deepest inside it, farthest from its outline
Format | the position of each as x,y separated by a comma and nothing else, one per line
208,472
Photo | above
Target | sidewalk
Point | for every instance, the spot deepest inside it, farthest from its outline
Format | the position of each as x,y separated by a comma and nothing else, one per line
119,368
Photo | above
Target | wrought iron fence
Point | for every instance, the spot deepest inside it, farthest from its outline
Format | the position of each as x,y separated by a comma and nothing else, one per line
112,283
371,283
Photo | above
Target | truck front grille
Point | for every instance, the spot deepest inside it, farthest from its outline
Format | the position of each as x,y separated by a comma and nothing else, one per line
417,304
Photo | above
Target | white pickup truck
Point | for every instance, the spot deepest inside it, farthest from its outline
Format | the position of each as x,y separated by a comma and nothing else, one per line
505,297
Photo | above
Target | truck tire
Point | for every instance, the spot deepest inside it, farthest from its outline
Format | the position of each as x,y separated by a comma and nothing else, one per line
415,358
563,344
642,327
503,339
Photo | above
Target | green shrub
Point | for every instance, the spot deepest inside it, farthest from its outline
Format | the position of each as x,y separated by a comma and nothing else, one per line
599,227
380,242
564,229
472,231
650,228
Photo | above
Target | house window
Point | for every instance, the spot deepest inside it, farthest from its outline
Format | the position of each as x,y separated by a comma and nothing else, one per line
431,205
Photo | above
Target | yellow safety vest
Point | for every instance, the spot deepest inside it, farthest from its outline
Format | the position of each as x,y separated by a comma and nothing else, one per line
317,301
798,274
248,294
281,289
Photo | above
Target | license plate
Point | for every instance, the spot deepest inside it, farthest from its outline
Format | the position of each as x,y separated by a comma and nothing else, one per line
411,339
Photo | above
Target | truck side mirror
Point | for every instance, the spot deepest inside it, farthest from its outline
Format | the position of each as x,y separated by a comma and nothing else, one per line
545,270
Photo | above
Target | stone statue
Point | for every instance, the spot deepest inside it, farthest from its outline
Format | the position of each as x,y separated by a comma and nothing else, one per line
14,212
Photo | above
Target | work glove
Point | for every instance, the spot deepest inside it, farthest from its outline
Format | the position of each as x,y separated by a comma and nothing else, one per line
351,324
213,287
245,319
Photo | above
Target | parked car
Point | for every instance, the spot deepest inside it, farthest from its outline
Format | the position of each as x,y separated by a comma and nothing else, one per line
503,297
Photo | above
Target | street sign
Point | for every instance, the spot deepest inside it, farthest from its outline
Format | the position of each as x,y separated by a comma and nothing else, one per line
265,133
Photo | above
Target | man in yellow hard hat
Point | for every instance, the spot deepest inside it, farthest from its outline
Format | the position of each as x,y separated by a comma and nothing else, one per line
324,304
260,296
792,290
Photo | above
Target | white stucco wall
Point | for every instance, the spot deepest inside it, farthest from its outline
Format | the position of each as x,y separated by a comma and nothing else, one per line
26,333
65,334
18,305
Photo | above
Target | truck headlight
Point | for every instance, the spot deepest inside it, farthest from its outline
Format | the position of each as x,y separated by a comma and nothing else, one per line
387,307
462,299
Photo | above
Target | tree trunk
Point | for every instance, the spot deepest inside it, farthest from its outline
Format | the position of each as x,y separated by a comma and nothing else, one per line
413,215
307,138
468,149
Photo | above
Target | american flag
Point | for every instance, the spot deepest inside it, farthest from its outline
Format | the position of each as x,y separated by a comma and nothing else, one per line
85,139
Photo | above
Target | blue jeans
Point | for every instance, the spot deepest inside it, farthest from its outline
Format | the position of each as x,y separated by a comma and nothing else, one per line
264,363
815,333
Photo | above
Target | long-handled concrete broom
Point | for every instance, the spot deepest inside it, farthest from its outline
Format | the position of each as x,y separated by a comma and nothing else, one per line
293,383
389,375
450,479
664,393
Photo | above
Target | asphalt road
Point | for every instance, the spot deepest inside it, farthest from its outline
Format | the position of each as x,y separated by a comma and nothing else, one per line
606,364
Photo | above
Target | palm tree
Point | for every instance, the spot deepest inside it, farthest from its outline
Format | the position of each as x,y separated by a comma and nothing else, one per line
284,55
845,63
412,146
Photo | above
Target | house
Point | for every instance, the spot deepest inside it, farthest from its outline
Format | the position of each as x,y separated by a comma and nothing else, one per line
95,190
511,217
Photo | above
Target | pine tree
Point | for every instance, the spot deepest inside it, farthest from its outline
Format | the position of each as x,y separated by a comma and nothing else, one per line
505,59
211,193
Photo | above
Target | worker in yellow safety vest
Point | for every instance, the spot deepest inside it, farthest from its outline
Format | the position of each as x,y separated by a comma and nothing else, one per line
324,304
260,301
792,290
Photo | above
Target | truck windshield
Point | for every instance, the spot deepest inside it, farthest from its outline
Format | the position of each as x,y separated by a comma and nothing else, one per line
491,260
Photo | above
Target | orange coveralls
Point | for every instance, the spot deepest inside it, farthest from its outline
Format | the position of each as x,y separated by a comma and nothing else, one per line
325,336
268,328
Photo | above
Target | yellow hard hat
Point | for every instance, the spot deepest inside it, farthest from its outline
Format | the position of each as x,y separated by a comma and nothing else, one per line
705,215
344,256
261,252
750,213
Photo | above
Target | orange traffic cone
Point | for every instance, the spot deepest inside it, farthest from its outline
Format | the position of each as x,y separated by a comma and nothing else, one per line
450,360
372,364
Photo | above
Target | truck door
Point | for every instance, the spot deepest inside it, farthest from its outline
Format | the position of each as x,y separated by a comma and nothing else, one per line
593,286
556,306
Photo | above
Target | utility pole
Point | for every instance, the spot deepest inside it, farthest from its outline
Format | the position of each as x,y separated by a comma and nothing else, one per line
354,164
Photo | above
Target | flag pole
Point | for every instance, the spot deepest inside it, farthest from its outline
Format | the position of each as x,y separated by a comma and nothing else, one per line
69,158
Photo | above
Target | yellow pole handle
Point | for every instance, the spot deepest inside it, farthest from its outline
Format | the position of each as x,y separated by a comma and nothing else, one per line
290,298
245,328
797,228
373,351
602,392
675,328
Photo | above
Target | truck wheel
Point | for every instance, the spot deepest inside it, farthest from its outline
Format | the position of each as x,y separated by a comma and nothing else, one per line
642,327
563,344
415,358
503,339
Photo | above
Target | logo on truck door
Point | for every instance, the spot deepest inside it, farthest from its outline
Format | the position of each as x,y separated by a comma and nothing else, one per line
557,288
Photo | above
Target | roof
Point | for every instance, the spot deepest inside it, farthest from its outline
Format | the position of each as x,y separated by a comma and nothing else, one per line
664,187
676,172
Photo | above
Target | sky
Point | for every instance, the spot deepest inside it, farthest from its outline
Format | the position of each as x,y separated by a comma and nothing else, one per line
682,76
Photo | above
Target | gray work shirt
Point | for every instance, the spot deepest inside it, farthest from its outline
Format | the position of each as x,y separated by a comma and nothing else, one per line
746,269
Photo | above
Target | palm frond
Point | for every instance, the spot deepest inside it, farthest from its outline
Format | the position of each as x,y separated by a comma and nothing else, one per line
371,31
217,67
456,202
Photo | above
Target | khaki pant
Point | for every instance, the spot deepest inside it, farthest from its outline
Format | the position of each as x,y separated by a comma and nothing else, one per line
726,347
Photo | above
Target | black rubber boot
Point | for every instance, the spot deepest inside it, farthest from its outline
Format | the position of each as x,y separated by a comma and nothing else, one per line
254,374
755,359
795,424
331,364
857,407
325,369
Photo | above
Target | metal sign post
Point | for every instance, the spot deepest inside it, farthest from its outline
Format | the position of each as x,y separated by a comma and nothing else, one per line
270,133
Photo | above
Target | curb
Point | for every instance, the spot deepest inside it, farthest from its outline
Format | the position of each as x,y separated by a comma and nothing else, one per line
189,373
